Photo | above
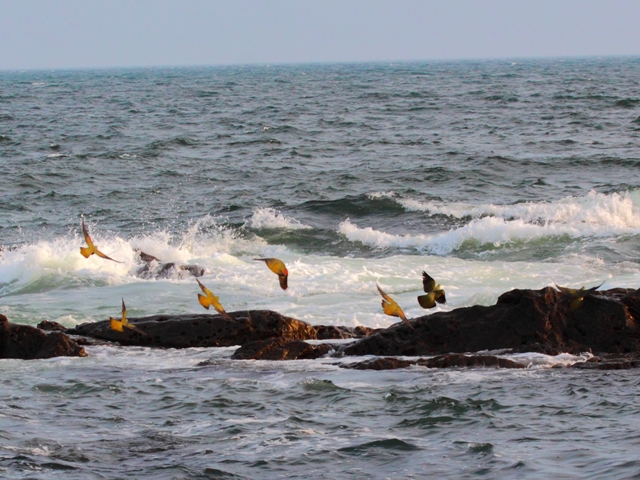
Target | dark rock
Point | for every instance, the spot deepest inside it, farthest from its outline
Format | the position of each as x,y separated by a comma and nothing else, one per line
441,361
610,362
49,326
521,320
28,343
459,360
383,363
281,349
155,268
202,330
334,332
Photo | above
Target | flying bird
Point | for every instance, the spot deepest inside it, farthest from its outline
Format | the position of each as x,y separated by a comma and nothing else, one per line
577,295
209,299
119,325
434,292
277,267
391,308
90,249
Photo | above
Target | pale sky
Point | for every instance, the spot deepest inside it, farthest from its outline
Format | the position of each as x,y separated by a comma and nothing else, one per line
57,34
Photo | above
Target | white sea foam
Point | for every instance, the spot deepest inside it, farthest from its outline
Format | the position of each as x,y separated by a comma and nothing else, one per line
271,218
540,360
594,215
57,263
616,211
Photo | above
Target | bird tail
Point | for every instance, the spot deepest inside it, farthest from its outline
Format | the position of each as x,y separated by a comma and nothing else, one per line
86,251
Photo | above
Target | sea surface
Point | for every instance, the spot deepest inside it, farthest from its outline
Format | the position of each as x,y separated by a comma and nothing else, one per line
489,175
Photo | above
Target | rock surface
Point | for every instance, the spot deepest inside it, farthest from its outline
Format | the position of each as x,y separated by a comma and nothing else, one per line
336,332
440,361
281,349
202,330
610,362
49,326
29,343
155,268
521,321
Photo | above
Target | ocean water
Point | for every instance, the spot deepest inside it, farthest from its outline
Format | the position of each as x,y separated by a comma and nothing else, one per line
489,175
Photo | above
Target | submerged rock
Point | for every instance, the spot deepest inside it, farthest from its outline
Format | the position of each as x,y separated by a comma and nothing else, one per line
521,321
201,330
281,349
155,268
610,362
29,343
440,361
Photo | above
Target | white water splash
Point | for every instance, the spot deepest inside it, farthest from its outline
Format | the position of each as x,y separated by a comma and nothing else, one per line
271,218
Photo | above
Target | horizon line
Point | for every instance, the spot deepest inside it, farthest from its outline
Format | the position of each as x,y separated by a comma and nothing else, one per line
319,63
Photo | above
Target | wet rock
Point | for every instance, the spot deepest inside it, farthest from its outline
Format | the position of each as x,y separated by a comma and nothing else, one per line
201,330
49,326
521,320
154,268
281,349
334,332
610,362
29,343
384,363
459,360
441,361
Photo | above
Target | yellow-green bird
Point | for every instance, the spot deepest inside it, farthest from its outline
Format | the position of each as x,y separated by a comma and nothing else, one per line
119,325
209,299
90,249
434,292
391,308
278,267
577,295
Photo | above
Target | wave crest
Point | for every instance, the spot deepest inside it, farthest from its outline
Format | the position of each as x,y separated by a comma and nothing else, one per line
271,218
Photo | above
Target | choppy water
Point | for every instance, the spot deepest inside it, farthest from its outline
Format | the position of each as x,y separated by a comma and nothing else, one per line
489,175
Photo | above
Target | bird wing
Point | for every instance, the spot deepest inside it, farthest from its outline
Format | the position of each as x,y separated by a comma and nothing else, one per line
91,248
565,290
390,306
283,281
100,254
427,300
384,295
440,298
591,290
124,320
428,283
85,232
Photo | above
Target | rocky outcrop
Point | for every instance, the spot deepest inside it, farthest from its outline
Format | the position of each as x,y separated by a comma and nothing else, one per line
281,349
29,343
440,361
543,321
205,330
49,326
521,321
